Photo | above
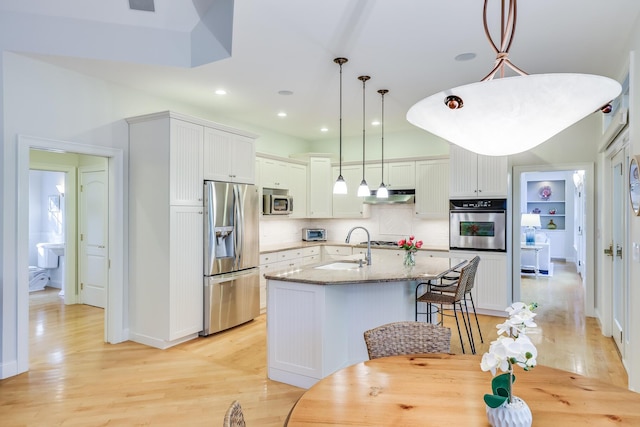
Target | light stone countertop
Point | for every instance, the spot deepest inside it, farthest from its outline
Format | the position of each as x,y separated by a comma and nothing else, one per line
384,268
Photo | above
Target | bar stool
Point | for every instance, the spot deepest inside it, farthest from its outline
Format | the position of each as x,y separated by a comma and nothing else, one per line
435,298
450,287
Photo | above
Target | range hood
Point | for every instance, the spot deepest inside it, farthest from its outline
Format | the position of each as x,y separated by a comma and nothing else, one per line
395,197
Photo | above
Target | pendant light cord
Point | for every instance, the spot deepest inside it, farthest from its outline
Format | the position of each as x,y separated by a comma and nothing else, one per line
340,159
363,79
382,92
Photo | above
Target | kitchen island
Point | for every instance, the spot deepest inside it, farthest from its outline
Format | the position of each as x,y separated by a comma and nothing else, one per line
316,315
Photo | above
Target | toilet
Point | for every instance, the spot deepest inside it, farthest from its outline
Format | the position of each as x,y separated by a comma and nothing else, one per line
38,278
47,259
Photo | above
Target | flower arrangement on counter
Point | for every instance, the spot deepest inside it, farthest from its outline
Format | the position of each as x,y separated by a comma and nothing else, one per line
411,246
511,349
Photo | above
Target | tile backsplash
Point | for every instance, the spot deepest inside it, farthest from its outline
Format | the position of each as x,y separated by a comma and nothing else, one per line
385,222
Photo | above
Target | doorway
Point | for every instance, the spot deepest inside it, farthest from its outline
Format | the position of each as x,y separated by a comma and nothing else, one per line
587,220
114,330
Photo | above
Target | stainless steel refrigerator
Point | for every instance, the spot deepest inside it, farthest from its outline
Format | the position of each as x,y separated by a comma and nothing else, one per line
231,255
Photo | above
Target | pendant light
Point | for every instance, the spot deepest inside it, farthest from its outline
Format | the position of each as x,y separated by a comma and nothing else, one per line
382,192
340,186
363,190
510,115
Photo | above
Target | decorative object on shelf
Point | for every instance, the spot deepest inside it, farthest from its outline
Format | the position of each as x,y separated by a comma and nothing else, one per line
340,186
530,221
513,348
536,211
552,225
382,192
545,192
410,246
552,211
537,106
634,184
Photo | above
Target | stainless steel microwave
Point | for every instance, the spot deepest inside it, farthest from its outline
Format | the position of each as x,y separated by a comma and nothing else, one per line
273,204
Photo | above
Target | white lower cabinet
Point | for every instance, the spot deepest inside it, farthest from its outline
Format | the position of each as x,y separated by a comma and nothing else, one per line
185,297
491,291
283,260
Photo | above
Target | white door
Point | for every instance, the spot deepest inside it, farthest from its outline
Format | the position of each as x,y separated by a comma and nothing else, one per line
619,297
92,223
579,222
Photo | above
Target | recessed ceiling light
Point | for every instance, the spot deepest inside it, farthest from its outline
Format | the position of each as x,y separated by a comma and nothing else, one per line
285,92
375,123
282,114
465,56
324,130
221,92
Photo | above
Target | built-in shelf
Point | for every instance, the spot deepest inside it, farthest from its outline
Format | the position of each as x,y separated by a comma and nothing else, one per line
543,206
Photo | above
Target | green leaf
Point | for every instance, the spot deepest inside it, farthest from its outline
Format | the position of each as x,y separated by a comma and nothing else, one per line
494,401
500,384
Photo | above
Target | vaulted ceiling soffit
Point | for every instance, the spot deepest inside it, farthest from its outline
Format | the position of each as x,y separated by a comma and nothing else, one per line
203,35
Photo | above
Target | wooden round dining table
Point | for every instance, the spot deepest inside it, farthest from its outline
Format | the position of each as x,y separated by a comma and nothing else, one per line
448,390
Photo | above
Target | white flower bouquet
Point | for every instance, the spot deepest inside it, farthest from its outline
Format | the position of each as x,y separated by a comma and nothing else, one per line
513,347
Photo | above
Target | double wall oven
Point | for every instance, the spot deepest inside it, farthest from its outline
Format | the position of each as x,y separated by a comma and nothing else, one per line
478,225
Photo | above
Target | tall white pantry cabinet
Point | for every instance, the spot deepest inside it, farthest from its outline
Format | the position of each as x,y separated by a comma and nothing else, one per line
167,169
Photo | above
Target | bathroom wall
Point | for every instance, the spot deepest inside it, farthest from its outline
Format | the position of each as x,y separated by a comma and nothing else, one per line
46,216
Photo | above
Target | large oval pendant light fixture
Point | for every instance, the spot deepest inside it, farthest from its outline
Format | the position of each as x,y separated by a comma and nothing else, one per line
382,192
510,115
363,189
340,186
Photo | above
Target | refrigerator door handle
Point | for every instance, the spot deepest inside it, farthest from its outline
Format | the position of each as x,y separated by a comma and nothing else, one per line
210,250
239,234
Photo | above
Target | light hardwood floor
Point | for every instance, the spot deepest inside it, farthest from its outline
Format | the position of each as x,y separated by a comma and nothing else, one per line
75,379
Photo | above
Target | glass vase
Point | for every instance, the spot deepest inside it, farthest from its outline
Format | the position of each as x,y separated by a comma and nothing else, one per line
409,259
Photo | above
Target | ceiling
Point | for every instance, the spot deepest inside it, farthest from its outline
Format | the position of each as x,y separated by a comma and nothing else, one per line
406,46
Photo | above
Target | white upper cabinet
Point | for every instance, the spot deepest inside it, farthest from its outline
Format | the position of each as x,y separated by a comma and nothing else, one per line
477,176
274,174
432,188
229,156
320,188
349,205
286,176
373,173
402,175
298,189
185,163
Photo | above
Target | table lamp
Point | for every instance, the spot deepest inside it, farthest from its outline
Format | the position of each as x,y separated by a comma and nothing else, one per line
530,221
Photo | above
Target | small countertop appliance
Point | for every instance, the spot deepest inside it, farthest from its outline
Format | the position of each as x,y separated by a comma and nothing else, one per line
314,234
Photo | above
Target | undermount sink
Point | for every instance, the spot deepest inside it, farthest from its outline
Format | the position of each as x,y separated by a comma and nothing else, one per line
339,266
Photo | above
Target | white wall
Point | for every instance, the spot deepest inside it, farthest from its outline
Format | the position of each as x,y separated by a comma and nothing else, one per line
46,101
634,222
414,143
385,222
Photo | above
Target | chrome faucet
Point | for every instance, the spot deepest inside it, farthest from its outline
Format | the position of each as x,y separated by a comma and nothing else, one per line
368,256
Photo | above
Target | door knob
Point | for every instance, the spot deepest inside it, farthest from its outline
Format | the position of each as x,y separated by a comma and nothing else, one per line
609,252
